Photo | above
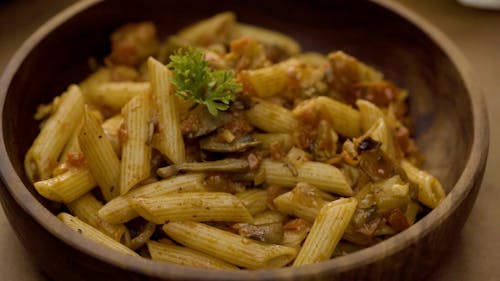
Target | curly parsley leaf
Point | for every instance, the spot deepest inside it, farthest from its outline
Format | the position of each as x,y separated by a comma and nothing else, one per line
195,80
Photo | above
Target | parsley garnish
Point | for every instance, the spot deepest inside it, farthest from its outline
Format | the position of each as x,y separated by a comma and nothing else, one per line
195,80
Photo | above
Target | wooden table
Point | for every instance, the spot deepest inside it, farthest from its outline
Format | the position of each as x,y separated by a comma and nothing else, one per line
476,255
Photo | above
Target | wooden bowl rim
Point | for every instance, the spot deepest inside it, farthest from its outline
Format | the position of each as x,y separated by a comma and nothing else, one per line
472,172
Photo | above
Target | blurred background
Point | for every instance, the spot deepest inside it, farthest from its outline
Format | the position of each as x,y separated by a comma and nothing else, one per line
476,31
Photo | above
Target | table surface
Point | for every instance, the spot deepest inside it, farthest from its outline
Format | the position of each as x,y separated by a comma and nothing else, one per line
476,254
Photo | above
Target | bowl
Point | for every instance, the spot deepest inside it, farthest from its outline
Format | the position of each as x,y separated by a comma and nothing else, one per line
446,104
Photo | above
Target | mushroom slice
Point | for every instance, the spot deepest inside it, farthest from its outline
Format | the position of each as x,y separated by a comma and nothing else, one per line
226,165
215,144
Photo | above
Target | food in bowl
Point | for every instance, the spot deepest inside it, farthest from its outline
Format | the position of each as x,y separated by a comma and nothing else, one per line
227,139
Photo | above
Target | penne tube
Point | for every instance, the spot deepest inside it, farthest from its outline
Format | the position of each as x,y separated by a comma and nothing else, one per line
268,217
344,119
115,95
304,201
326,232
119,209
295,232
94,234
101,158
43,155
68,186
272,118
255,200
169,137
194,206
215,29
136,153
278,173
267,81
111,127
223,245
267,37
86,208
381,132
430,192
369,113
323,176
185,256
71,147
348,70
281,141
101,75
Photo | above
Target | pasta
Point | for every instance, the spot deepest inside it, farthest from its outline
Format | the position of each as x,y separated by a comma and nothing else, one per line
185,256
102,160
225,147
194,206
136,153
224,244
57,130
86,208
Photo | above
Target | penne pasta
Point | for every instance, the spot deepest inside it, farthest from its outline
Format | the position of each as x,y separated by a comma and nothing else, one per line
68,186
326,232
381,132
344,119
44,153
101,158
323,176
272,118
268,81
295,232
278,173
255,200
267,37
169,138
217,27
281,141
304,201
348,71
86,208
369,113
268,217
194,206
115,95
119,209
223,245
72,147
94,234
111,127
185,256
430,192
136,153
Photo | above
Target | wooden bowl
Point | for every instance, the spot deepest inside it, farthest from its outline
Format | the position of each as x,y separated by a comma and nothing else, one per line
446,104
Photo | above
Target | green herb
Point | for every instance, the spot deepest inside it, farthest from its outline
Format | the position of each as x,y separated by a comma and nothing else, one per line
195,80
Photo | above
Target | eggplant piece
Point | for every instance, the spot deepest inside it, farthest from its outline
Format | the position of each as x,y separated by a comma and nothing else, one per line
200,122
226,165
214,144
374,162
271,233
